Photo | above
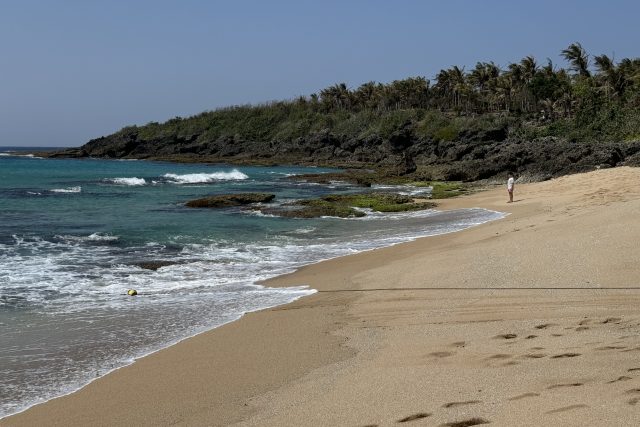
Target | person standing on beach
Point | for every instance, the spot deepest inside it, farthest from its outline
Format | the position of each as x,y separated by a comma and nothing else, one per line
510,187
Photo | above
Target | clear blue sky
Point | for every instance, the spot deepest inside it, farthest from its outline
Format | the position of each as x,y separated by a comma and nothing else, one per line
75,70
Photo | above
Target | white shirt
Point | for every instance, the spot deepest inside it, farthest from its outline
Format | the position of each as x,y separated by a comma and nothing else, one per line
510,184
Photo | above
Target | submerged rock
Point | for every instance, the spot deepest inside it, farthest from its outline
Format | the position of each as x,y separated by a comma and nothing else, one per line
154,265
316,210
228,200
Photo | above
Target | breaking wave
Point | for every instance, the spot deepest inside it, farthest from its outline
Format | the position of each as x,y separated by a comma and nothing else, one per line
77,189
126,181
197,178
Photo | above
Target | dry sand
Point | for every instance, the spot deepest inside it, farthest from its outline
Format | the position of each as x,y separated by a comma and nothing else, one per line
532,323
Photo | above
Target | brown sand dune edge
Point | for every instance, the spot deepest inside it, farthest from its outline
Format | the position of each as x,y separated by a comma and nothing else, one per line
504,351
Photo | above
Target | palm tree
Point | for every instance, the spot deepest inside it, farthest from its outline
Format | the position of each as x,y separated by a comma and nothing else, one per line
578,58
411,92
607,73
458,84
484,79
366,96
443,87
548,69
337,96
516,76
529,68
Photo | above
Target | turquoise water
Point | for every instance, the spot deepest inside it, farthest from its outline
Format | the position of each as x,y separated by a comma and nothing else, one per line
73,231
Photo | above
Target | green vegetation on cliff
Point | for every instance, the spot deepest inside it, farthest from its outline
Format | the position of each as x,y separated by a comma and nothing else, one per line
594,99
535,120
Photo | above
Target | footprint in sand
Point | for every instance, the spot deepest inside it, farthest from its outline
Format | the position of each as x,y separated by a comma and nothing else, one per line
551,387
500,356
524,396
633,369
633,401
584,322
441,354
506,336
621,378
566,408
466,423
530,337
582,328
545,325
458,344
534,356
454,404
414,417
611,347
565,355
612,320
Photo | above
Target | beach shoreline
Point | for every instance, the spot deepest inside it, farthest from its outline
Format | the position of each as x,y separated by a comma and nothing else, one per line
332,358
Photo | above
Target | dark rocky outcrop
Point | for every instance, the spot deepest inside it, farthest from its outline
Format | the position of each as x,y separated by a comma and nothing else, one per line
474,155
229,200
313,211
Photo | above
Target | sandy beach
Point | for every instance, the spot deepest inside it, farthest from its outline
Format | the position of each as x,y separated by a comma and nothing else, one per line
528,320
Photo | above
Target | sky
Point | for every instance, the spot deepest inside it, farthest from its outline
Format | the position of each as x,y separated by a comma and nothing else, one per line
71,71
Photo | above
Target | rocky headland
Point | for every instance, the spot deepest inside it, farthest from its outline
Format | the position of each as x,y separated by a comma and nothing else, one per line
473,156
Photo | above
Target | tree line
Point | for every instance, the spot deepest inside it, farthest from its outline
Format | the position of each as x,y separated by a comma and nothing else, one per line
523,87
591,98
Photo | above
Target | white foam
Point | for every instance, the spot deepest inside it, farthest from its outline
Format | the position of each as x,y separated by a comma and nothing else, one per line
373,215
126,181
77,189
406,190
305,230
196,178
283,173
70,276
95,237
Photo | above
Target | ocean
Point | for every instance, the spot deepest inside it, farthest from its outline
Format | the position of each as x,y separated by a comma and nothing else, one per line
74,231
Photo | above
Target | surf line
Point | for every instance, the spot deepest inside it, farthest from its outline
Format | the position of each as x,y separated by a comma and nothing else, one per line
617,288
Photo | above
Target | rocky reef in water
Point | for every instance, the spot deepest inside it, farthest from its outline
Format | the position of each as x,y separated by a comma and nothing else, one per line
343,206
229,200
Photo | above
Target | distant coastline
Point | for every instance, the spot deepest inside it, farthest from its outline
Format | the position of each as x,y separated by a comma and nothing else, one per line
28,149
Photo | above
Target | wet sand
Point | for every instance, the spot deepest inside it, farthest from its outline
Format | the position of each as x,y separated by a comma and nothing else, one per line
529,320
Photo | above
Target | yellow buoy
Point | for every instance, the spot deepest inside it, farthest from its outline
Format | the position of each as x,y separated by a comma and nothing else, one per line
132,292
